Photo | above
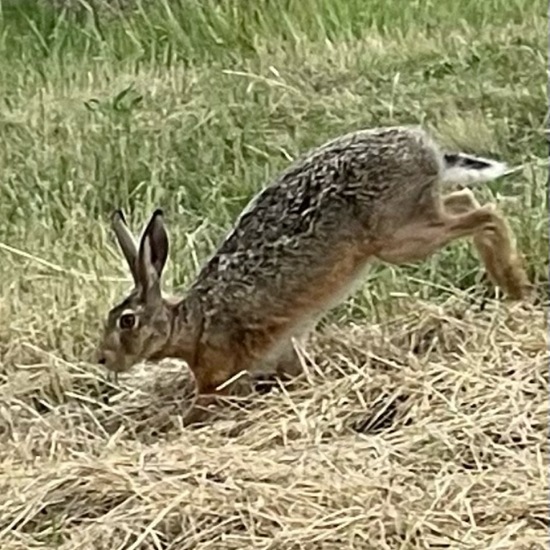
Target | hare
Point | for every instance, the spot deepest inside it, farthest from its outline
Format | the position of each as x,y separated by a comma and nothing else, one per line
299,248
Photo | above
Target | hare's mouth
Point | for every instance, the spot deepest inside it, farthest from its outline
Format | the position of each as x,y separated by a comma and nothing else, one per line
113,362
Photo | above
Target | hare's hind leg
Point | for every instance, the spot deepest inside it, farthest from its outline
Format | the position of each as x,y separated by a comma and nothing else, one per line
454,218
495,247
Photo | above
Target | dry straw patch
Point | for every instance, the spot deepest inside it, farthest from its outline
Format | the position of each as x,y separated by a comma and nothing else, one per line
426,432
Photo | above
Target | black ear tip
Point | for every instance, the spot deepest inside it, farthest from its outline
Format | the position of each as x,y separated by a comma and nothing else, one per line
158,212
118,214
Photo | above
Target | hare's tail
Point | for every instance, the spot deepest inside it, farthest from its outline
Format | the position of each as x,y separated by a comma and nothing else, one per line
467,169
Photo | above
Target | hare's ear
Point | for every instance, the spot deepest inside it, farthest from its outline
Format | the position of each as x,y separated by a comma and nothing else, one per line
152,254
125,240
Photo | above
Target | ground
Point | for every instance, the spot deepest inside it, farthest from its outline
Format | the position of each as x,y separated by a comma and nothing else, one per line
421,418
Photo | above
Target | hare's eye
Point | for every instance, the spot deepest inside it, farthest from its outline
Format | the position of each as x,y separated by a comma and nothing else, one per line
127,321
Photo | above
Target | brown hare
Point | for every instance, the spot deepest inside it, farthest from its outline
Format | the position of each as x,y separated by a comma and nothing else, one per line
298,248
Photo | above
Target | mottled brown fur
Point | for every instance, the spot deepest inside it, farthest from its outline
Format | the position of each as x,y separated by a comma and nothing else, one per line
297,250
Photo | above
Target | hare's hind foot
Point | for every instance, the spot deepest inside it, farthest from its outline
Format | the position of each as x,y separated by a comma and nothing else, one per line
495,246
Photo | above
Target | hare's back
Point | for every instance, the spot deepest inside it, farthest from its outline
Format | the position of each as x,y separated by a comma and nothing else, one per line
325,188
288,235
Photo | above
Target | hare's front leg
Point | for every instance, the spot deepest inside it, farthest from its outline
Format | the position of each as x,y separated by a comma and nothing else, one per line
213,371
201,409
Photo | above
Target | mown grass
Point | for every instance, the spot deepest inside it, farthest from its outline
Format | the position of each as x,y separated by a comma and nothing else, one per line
195,106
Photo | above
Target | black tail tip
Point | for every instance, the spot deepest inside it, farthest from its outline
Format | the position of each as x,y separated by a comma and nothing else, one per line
466,161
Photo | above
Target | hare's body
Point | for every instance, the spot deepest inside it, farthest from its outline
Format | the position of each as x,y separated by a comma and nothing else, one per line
303,243
305,238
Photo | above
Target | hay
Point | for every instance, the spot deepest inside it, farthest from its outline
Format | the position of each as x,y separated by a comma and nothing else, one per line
427,432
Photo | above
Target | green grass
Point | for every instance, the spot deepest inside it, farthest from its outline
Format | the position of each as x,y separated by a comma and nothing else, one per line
195,106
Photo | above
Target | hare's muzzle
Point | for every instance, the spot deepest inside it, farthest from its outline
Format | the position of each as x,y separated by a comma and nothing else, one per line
113,361
107,359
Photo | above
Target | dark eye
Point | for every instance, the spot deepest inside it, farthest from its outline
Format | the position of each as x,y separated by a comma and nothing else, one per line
127,321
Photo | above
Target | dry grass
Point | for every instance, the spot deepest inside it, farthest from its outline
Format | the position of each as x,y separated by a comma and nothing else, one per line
427,432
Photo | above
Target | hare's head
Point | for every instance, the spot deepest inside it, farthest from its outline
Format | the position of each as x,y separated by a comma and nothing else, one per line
139,327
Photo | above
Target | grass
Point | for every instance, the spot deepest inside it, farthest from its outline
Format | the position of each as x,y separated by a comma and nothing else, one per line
422,416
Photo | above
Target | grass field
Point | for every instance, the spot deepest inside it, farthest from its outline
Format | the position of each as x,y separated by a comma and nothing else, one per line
421,419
